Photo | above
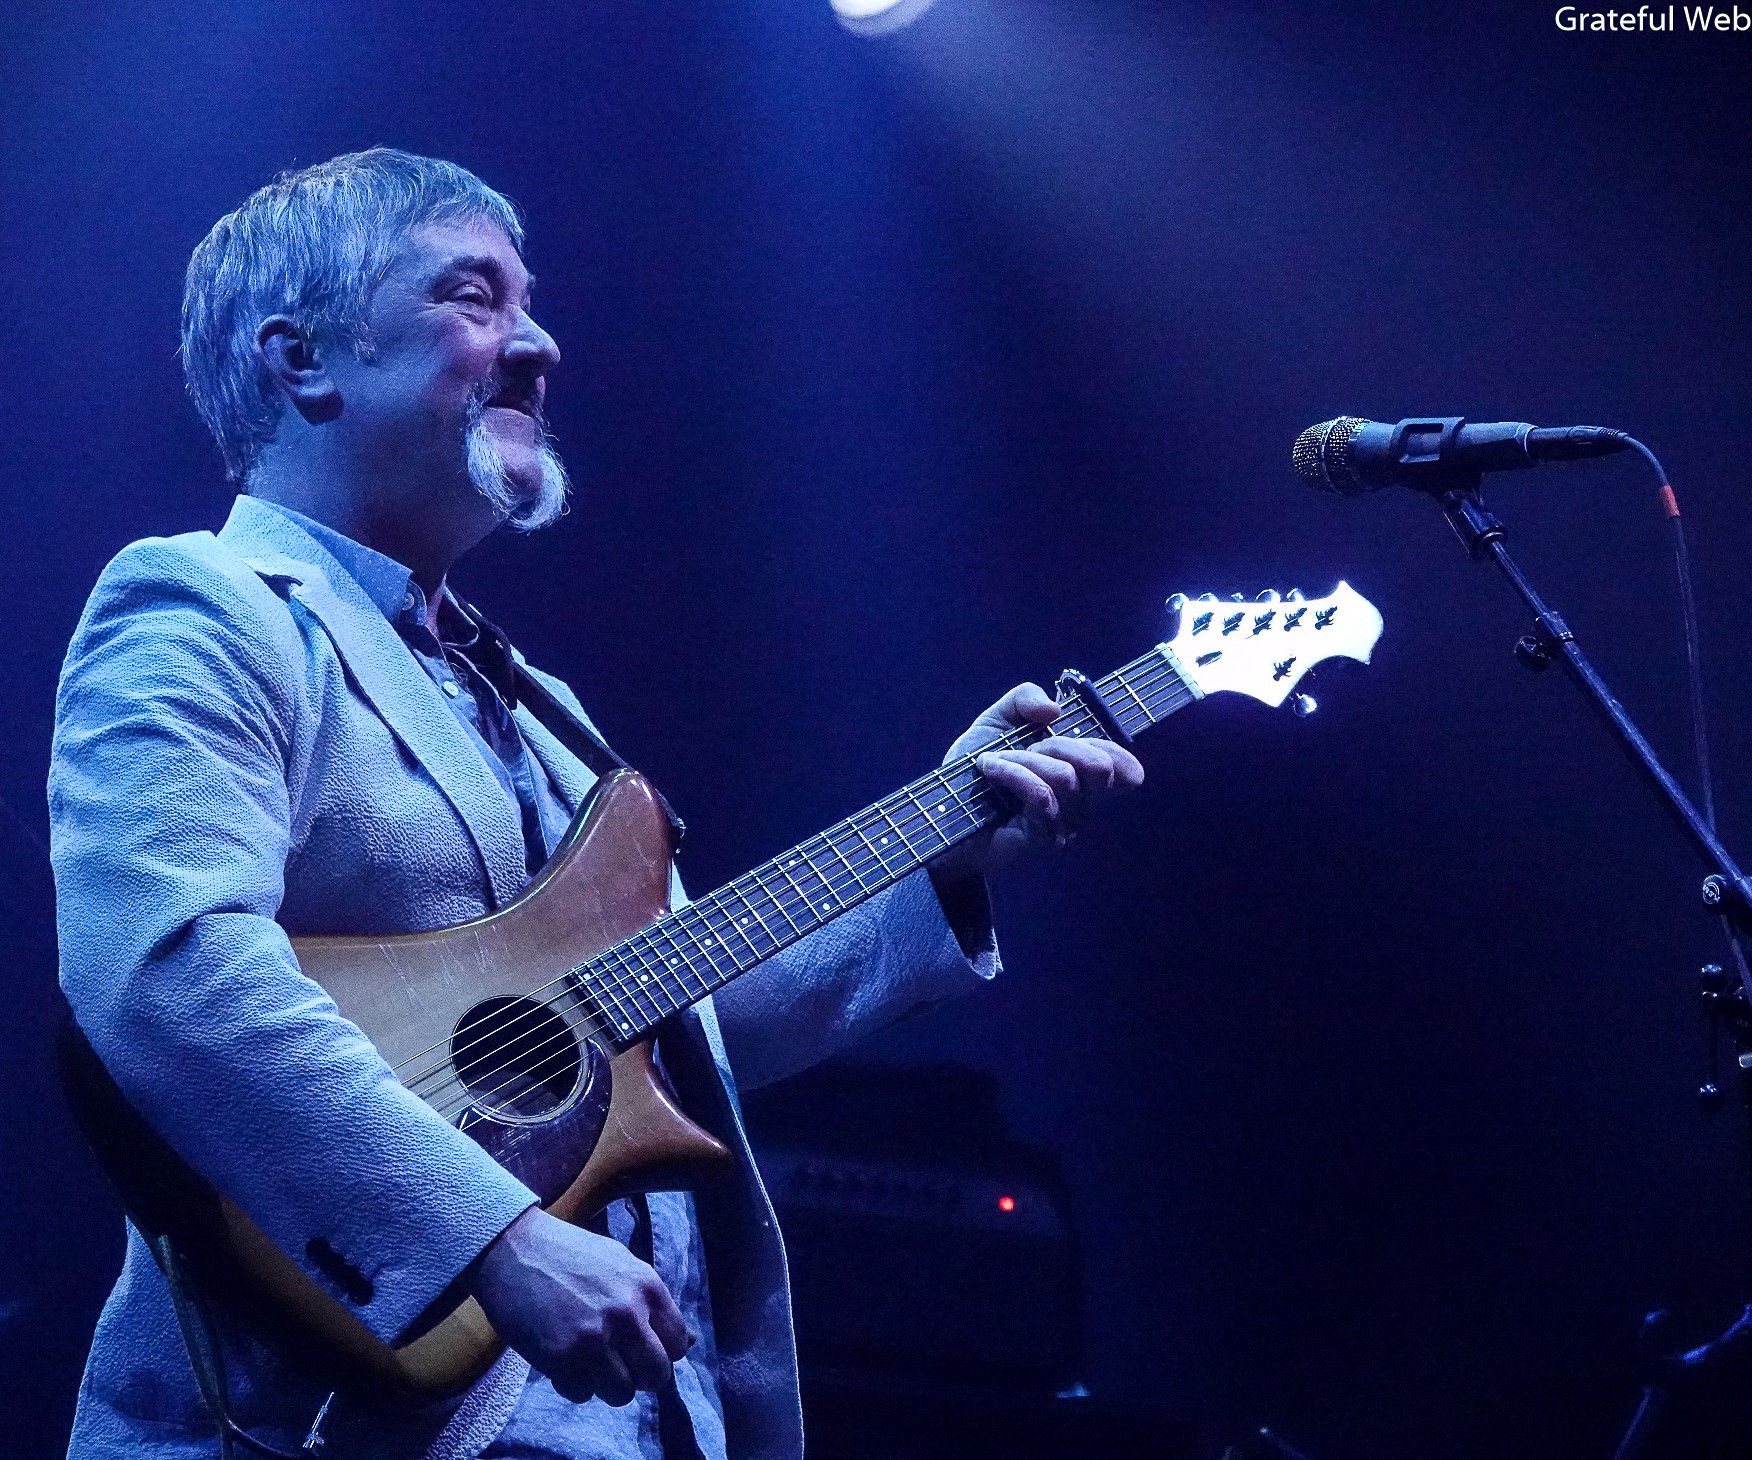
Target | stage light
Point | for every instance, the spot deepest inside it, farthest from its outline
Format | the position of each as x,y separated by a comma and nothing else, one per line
877,17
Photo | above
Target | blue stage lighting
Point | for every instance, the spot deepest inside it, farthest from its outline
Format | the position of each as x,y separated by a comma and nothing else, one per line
877,17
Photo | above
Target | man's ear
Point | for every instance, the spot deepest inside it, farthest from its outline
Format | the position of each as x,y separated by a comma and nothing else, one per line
299,366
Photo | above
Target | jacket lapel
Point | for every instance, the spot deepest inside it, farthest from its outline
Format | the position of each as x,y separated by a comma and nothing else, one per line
390,680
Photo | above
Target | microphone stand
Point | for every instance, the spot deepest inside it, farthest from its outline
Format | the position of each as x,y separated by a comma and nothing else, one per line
1725,891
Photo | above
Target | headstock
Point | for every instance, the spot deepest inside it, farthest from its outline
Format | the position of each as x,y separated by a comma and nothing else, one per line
1263,647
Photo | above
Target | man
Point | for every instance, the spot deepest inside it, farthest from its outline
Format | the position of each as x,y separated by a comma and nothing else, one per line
293,727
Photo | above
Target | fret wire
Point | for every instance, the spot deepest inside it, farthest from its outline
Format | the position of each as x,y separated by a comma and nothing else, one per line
922,814
761,922
650,966
829,877
627,1019
1174,689
880,860
676,957
703,939
650,977
845,861
740,924
955,805
893,825
864,854
912,795
760,875
630,976
705,945
618,989
896,825
1126,685
1151,682
821,909
616,982
722,921
616,955
619,1016
912,812
671,981
802,896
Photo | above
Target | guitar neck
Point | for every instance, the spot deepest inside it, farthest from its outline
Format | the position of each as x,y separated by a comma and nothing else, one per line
696,950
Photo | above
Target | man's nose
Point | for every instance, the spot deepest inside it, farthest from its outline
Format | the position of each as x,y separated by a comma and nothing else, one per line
531,347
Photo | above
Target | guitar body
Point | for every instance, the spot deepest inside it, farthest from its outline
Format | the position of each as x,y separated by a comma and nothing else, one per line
577,1122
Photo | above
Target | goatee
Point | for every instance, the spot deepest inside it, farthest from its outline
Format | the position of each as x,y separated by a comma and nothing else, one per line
525,508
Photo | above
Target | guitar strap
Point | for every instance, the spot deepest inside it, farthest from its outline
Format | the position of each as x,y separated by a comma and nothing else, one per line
566,725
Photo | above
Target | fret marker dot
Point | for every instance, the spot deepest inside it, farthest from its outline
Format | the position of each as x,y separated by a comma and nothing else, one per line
826,905
939,807
644,978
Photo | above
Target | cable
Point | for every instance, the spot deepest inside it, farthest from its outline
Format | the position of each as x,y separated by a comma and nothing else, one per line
1694,679
1688,613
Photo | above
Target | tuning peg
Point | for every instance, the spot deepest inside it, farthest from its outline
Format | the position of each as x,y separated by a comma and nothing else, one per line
1304,706
1207,598
1237,598
1295,595
1176,602
1270,595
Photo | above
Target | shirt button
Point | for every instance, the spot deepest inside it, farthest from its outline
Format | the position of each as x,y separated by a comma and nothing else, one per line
450,688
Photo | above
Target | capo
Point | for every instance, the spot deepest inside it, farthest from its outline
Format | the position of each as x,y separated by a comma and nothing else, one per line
1075,682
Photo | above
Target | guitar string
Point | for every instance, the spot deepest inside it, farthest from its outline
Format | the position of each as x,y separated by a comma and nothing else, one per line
846,885
782,901
701,913
526,1066
549,1056
539,1063
690,918
622,991
620,988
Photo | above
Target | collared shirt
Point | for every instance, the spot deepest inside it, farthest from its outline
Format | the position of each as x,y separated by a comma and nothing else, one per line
475,678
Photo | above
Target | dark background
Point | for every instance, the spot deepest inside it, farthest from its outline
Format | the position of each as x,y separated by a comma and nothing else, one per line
900,370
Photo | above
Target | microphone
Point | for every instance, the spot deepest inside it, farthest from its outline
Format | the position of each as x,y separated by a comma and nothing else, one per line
1351,456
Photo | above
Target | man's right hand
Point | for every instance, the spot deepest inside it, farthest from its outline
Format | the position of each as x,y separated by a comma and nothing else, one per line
581,1308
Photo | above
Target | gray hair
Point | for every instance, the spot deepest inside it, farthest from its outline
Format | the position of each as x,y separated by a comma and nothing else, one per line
311,245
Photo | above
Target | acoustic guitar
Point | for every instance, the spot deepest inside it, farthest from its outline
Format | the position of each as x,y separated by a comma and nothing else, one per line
531,1028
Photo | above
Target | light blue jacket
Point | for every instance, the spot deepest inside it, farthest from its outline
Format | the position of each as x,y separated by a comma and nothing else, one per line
245,749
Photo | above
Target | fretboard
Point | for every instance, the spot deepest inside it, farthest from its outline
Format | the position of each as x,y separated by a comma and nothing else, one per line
697,949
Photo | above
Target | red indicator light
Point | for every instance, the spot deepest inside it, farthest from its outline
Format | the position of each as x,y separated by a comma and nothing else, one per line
1006,1203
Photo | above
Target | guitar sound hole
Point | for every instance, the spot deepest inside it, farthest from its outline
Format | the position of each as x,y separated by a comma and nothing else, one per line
516,1057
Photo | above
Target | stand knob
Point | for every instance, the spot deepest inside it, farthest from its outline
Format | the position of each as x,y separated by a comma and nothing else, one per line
1304,706
1714,890
1532,654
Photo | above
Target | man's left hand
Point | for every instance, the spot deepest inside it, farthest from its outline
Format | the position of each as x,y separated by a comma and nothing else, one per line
1054,784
